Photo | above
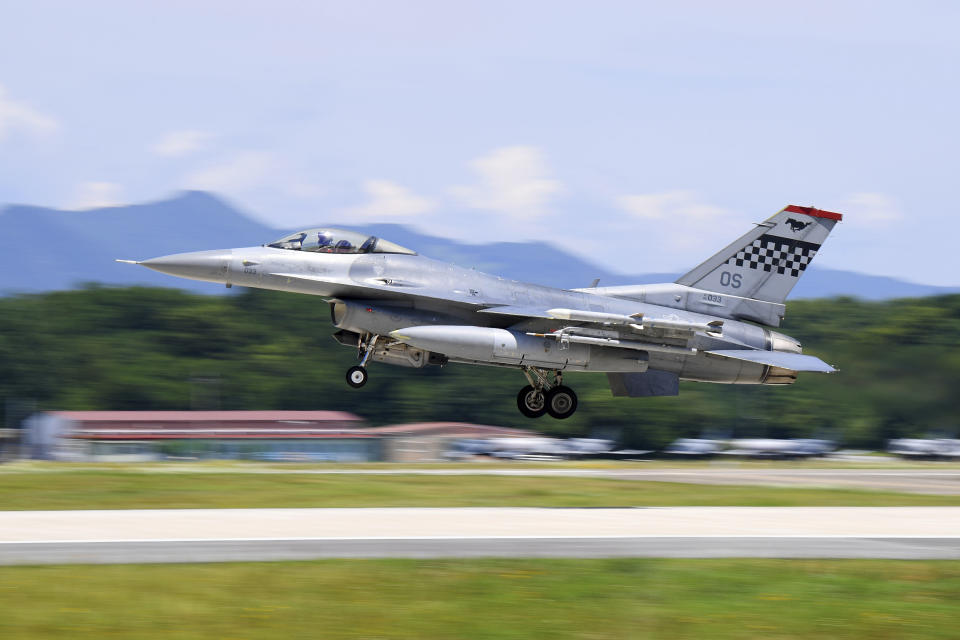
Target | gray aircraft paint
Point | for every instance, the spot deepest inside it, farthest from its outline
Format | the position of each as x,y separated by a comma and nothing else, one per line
424,311
766,263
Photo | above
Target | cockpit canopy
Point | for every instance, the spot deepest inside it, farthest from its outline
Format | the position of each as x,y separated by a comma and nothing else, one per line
337,241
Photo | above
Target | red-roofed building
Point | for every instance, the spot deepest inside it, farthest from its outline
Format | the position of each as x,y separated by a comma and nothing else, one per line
455,429
152,435
334,436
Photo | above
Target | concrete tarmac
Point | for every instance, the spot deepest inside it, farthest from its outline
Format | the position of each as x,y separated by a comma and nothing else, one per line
212,535
171,551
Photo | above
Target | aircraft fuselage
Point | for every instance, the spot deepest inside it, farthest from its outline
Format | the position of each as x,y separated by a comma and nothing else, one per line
401,308
396,291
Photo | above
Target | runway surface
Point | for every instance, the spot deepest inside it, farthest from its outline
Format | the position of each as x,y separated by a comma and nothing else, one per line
211,535
166,551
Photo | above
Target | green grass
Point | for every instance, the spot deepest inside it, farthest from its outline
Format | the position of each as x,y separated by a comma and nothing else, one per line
130,489
418,599
868,463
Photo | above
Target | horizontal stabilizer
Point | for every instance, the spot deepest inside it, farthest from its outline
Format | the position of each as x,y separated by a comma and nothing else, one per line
782,359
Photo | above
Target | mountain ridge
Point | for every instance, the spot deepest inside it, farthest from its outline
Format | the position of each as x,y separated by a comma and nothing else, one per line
68,248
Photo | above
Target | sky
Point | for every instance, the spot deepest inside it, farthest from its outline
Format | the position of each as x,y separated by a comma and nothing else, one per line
643,136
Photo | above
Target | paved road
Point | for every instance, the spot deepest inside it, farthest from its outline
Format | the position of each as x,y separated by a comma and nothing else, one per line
194,535
166,551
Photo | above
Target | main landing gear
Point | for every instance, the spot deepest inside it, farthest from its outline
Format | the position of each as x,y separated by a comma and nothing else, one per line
357,376
543,396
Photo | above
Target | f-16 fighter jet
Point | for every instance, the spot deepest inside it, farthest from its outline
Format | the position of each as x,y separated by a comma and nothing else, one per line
398,307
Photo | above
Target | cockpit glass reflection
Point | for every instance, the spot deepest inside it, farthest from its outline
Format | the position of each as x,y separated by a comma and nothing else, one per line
337,241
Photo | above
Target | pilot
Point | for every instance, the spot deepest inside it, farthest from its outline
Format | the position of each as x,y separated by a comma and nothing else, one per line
323,242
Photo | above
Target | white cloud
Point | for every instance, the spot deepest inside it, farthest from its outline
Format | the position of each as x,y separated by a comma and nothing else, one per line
243,171
180,143
512,180
678,207
870,210
18,116
390,200
680,223
268,184
95,195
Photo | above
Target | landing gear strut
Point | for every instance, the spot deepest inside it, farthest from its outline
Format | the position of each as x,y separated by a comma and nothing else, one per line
357,376
543,396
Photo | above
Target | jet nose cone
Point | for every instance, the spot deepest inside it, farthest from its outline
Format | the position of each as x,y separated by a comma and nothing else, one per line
196,265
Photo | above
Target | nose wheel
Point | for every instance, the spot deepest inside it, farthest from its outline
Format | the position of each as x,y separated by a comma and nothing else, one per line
542,397
357,375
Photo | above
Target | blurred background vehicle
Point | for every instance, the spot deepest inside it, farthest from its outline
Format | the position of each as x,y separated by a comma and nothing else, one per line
925,448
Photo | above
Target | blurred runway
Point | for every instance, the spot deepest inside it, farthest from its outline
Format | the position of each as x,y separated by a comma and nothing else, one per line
211,535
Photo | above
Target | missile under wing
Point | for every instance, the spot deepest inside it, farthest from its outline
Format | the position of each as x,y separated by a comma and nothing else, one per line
714,324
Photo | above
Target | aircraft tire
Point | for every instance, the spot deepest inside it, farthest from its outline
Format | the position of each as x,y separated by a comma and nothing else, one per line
532,403
356,377
561,402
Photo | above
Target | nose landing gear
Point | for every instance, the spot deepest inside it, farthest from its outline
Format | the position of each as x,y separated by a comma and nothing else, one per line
357,376
543,396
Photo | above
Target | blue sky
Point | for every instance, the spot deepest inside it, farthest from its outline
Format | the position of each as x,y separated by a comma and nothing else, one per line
642,135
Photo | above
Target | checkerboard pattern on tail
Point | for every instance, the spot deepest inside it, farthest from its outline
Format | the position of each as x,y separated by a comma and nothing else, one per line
766,262
776,255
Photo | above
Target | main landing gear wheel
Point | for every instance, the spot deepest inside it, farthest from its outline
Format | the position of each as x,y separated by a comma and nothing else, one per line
561,402
356,377
531,402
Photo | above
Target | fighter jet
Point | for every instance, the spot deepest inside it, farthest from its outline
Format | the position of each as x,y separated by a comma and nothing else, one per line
398,307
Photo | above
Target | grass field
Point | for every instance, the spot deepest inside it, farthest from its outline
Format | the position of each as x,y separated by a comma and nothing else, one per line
425,599
400,599
871,462
121,488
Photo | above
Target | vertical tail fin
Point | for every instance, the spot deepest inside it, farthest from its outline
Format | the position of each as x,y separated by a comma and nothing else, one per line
767,262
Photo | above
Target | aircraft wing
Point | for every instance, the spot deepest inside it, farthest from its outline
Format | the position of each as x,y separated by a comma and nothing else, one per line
386,290
782,359
519,311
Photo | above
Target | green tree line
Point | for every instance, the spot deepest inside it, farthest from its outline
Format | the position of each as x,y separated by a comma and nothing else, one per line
143,348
